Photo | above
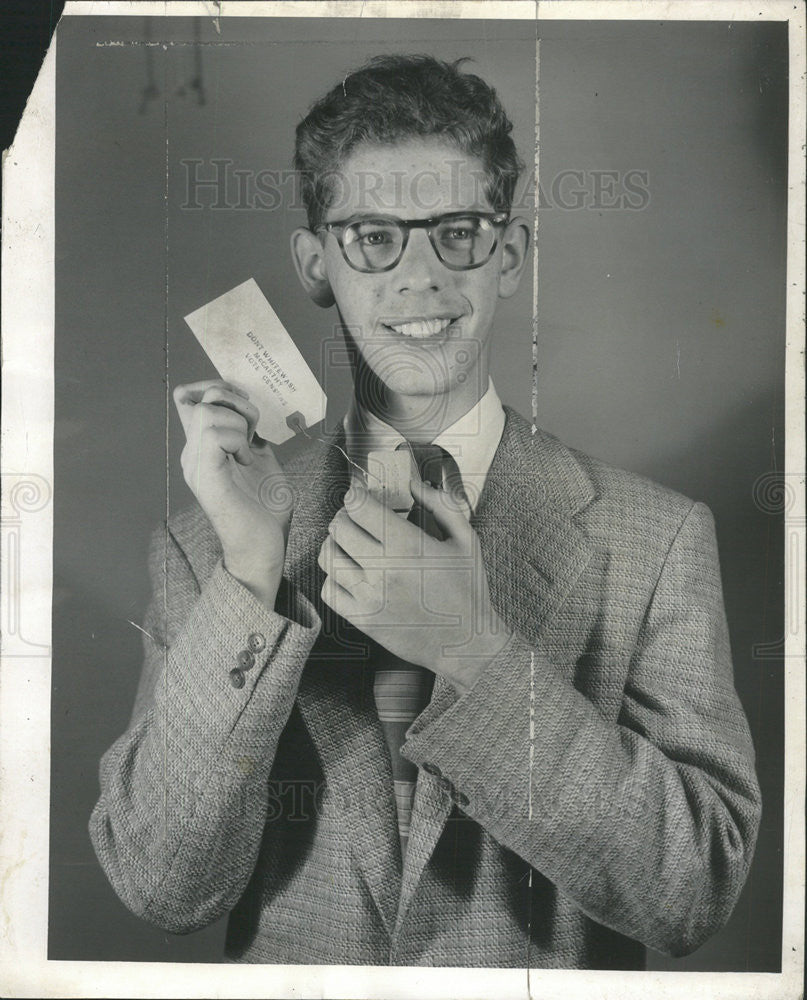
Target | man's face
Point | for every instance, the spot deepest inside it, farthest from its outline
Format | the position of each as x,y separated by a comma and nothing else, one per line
422,328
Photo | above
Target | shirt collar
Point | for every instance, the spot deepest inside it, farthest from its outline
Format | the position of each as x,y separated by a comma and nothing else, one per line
472,440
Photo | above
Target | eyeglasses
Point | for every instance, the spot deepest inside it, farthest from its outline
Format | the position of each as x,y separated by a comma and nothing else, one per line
461,240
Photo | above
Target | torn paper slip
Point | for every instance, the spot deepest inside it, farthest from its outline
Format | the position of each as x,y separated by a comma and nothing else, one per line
388,478
243,337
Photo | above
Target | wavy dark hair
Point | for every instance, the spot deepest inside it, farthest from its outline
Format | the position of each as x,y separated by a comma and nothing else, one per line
397,97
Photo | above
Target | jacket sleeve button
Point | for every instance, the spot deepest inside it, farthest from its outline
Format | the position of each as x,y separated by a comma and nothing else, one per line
257,642
246,661
237,679
432,769
461,799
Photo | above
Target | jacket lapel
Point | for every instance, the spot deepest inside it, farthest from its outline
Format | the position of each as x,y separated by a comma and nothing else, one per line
533,554
532,548
335,694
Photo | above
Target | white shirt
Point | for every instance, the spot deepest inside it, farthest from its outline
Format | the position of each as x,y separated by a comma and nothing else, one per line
472,440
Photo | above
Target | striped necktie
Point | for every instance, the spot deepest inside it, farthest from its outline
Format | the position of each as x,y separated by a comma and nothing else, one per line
402,689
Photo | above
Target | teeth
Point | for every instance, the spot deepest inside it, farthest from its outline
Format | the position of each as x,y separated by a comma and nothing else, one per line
421,328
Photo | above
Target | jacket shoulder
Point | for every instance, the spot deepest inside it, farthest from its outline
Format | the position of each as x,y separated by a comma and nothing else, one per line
591,479
635,518
611,502
617,487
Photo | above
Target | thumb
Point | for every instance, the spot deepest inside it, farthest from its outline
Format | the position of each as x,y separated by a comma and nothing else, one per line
263,450
445,508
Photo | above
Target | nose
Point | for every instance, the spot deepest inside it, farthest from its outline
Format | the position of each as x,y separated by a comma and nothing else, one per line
419,270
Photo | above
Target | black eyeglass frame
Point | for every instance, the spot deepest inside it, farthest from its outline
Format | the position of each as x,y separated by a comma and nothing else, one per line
497,219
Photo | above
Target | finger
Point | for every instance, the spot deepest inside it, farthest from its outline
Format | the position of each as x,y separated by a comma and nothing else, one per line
218,395
348,576
361,546
213,415
263,449
193,391
212,448
337,598
337,563
375,517
217,439
447,511
189,393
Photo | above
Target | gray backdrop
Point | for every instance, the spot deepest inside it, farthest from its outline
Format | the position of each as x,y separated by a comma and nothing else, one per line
661,342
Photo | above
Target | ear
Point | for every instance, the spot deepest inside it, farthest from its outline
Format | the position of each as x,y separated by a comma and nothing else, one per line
515,243
309,261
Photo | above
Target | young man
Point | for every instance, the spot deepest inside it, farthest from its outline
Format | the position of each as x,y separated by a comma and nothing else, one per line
497,729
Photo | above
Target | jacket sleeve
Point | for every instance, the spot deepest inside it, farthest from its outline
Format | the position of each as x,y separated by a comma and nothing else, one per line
648,822
184,790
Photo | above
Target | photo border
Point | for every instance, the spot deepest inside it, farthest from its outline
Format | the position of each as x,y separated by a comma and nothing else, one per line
27,510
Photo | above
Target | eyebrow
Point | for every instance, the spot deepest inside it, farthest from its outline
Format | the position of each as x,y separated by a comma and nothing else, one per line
371,216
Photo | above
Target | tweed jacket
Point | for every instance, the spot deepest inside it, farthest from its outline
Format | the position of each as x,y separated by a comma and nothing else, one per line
593,792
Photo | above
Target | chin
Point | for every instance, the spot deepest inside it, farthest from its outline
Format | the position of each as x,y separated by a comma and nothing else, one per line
411,373
415,383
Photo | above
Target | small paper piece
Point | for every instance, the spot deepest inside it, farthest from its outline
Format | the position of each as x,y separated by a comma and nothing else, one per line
388,479
243,337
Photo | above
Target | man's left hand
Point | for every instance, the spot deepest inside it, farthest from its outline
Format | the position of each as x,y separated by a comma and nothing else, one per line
424,599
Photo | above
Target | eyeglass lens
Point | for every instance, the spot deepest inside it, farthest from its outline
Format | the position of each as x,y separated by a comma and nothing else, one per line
460,241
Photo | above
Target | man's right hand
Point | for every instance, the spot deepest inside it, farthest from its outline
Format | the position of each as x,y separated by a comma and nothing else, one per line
238,482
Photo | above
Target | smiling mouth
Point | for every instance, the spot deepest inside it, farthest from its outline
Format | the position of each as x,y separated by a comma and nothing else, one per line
420,329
